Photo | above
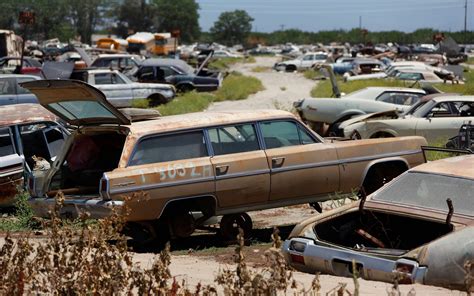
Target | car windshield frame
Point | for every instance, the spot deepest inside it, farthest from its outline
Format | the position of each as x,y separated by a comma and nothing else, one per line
430,187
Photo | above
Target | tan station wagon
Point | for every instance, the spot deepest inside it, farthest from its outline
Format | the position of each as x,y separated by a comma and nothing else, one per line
195,166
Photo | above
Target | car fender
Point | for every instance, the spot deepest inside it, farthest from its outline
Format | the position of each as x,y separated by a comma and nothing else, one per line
185,82
347,114
382,160
446,257
386,130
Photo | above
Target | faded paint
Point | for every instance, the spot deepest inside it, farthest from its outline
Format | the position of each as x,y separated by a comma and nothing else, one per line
24,113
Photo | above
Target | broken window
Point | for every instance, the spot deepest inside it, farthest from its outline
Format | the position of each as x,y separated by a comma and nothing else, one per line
6,144
169,147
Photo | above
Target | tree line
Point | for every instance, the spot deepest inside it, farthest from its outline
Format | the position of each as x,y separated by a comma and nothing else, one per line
67,19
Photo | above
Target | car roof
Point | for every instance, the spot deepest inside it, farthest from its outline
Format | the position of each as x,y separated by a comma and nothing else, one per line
24,113
451,98
18,75
394,88
203,119
459,166
164,62
116,55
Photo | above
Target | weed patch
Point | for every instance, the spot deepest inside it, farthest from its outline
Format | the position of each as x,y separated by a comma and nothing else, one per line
238,87
260,69
186,103
225,63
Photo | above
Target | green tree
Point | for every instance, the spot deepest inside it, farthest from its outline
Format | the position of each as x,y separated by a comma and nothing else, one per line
86,15
177,14
134,16
232,27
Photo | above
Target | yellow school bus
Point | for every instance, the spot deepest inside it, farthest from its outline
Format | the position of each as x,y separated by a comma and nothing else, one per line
164,44
113,44
141,43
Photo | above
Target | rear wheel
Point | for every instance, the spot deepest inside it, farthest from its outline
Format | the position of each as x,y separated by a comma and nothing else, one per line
290,68
185,88
147,235
156,99
382,135
230,224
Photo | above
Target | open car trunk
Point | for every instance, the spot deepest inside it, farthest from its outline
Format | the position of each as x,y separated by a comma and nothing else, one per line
377,232
89,156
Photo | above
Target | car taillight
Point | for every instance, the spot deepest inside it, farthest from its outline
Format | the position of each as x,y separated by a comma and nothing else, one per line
299,247
104,187
297,258
30,70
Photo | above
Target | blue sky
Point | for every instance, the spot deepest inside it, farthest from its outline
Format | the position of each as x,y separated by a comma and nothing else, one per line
315,15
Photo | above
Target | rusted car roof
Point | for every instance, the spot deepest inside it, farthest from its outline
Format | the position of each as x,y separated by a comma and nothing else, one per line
460,166
24,113
200,119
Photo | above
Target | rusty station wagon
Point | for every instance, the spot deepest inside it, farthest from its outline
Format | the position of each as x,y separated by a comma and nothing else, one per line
225,163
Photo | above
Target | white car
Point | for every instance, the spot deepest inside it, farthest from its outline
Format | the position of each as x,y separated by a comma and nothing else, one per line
437,119
226,54
121,91
306,61
367,100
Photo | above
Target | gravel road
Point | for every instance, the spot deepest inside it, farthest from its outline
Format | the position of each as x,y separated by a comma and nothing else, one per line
281,89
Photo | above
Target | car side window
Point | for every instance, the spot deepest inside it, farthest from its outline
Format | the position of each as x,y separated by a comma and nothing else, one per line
233,139
168,71
7,86
6,144
117,79
444,110
278,134
398,98
308,58
169,147
103,78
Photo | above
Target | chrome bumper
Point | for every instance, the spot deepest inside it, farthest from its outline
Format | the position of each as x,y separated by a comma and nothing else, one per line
338,261
72,208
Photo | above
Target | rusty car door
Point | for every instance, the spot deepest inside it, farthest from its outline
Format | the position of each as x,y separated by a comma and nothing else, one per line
301,165
11,168
240,166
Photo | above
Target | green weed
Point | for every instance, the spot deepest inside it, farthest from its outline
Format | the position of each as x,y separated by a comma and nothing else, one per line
238,87
186,103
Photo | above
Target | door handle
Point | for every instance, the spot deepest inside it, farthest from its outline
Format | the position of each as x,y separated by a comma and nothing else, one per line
222,169
277,162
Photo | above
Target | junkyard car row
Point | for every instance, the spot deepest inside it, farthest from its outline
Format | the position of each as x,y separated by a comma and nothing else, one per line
413,220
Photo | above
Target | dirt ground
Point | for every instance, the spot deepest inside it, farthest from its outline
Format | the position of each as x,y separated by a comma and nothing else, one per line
281,89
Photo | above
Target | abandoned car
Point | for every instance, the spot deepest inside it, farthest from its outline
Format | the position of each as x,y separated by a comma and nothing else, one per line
225,163
332,111
306,61
437,119
419,228
28,132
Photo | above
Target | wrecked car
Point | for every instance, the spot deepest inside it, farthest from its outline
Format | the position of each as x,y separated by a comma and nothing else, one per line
28,134
178,73
437,119
306,61
121,91
332,111
419,228
12,93
223,163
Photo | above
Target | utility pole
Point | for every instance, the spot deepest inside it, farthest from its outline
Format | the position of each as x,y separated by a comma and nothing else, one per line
360,22
465,22
282,27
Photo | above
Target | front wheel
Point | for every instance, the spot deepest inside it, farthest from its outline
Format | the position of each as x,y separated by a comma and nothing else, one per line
185,88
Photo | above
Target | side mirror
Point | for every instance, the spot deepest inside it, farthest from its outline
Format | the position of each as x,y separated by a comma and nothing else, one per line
429,116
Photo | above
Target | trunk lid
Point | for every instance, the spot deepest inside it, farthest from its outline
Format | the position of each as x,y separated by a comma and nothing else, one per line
76,102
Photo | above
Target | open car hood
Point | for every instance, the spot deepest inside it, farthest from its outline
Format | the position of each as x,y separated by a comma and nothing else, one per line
384,114
76,102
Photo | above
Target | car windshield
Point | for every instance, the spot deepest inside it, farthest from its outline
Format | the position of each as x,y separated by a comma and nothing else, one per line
430,191
421,108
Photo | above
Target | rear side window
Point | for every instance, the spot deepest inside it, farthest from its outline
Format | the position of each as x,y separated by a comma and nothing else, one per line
169,147
6,144
233,139
398,98
7,86
278,134
20,89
